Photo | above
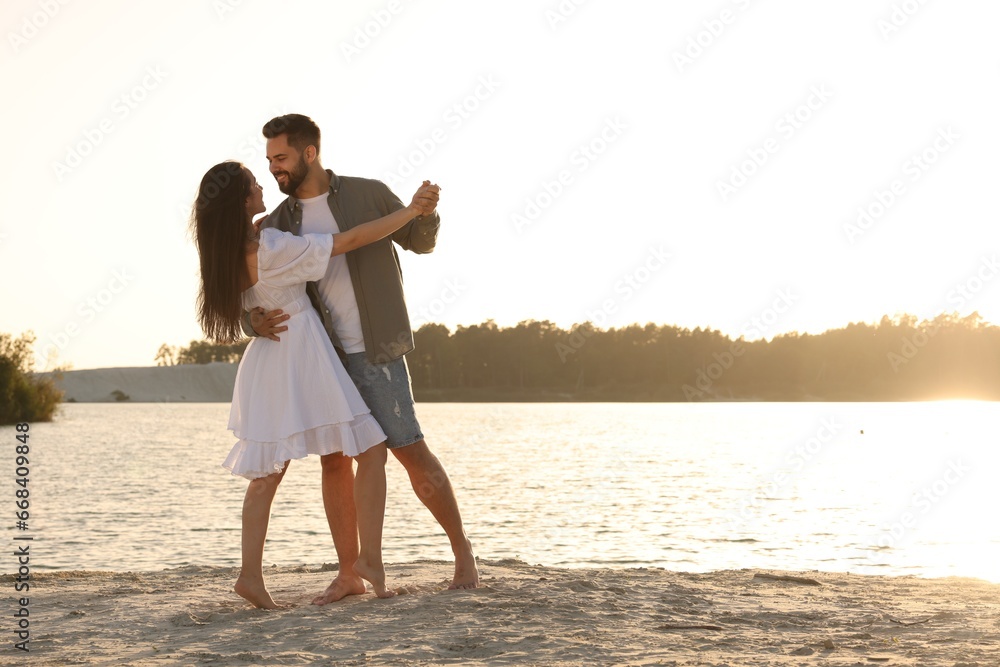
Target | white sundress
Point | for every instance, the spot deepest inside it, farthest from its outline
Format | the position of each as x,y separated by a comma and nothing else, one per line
293,397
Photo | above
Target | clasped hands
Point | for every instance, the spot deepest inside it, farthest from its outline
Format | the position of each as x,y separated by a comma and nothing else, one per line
426,198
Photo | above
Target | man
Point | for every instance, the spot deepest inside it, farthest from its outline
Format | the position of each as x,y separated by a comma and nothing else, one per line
360,301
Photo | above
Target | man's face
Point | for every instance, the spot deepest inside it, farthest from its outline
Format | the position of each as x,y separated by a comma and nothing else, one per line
287,165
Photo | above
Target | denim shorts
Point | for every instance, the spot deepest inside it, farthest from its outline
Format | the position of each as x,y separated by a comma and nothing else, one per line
386,390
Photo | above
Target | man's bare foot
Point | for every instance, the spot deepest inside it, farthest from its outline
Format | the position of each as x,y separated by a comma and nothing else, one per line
254,592
344,584
466,572
375,575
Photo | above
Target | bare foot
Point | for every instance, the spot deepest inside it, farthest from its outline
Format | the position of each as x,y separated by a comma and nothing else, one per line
254,592
343,585
466,572
375,575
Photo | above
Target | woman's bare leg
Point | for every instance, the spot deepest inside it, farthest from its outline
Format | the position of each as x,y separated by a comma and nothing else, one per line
369,498
256,514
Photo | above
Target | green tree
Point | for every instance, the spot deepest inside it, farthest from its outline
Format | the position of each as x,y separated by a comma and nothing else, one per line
202,352
23,396
166,356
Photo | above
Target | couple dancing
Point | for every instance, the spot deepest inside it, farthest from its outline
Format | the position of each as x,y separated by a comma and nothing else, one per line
320,270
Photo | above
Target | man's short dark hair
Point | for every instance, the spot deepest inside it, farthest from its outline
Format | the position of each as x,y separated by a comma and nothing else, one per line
301,130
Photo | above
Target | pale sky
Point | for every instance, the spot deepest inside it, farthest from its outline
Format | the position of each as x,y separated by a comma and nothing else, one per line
689,163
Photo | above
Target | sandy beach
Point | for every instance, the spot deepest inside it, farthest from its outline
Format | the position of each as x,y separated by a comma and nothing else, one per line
523,615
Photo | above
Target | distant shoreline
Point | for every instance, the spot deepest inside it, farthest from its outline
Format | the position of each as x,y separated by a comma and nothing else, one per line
188,383
213,383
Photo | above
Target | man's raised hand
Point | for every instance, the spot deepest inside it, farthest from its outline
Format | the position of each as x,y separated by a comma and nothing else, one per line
426,198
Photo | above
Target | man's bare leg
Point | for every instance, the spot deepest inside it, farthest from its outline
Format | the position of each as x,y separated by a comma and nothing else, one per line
431,484
369,497
338,501
256,515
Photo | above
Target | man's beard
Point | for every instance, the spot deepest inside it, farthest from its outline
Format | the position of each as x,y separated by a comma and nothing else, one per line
295,177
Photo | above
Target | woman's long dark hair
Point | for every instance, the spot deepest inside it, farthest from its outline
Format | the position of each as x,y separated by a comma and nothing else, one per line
222,230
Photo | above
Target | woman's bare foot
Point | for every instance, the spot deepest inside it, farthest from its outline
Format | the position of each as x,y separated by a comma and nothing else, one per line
254,592
344,584
375,575
466,571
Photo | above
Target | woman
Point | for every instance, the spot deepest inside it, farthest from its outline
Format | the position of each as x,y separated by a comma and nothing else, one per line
292,398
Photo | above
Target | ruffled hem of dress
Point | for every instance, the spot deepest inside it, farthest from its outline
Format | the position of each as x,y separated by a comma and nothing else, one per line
254,459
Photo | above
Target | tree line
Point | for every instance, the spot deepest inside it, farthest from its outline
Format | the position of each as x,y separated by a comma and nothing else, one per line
898,358
200,352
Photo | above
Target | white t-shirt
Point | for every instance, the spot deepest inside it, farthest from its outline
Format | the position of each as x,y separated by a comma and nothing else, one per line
335,287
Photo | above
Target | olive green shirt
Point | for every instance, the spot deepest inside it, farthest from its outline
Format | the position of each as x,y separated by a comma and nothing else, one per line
374,269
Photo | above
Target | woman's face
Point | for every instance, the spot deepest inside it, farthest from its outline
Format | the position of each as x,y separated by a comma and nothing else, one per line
255,201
